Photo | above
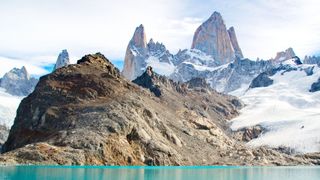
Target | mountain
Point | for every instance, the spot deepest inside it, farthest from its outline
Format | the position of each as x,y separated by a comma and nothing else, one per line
18,82
213,45
312,60
213,38
140,54
87,114
62,60
284,102
215,56
284,55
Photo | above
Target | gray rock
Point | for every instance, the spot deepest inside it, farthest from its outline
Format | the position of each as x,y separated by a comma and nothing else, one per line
315,86
309,71
62,60
18,82
262,80
312,60
234,42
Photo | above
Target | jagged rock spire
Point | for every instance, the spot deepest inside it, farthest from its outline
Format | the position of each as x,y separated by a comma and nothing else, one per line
62,60
139,37
134,57
212,38
234,42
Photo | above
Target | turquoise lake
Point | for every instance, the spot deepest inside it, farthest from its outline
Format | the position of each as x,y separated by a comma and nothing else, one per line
157,173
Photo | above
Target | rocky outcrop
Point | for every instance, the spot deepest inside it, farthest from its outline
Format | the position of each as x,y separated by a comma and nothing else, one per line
315,86
62,60
198,83
262,80
234,42
249,133
18,82
212,38
147,80
87,114
157,83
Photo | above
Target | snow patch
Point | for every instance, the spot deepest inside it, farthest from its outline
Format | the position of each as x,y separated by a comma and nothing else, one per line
162,68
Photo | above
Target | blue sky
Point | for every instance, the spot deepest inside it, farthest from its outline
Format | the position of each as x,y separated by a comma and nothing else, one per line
33,32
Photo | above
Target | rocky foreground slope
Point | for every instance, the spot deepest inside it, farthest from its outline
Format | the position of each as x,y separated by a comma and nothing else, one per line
87,114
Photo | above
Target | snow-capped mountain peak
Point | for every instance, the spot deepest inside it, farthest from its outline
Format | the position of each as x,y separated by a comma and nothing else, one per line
18,82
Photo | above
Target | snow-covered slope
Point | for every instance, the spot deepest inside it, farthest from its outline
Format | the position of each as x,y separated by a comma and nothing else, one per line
8,107
286,109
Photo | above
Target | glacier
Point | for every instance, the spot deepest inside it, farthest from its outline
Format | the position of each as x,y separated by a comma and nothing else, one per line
8,107
287,111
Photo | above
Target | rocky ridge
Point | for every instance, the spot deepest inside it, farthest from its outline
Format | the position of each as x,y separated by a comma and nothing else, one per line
87,114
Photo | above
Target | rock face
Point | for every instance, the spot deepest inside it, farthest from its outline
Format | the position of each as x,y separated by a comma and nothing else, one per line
87,114
147,80
135,54
234,42
212,38
18,82
63,60
315,86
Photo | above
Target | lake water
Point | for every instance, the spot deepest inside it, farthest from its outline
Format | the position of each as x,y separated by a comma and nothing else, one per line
157,173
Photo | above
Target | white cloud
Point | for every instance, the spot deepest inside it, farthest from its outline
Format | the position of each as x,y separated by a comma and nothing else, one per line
8,64
32,28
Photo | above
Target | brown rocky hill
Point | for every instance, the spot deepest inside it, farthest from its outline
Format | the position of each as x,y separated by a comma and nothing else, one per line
87,114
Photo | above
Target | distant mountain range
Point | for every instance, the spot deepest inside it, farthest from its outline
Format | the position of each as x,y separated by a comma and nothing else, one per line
215,55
